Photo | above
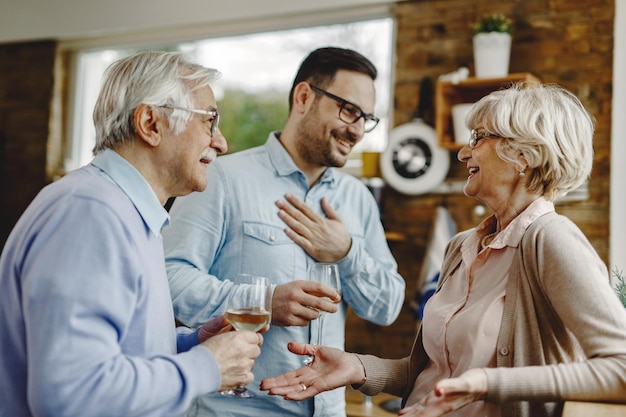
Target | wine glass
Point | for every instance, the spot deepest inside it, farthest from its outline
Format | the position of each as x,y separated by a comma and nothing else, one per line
248,307
326,273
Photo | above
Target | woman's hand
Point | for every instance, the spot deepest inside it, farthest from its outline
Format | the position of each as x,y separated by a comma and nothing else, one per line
449,395
331,368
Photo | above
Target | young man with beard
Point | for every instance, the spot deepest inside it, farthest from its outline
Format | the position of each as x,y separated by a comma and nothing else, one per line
276,209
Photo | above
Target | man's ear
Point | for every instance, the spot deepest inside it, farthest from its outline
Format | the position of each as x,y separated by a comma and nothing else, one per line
303,96
147,126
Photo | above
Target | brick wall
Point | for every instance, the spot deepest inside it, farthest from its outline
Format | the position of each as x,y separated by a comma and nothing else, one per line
26,91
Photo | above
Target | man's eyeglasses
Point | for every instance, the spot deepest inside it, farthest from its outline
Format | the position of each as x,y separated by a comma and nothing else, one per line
475,137
215,121
349,112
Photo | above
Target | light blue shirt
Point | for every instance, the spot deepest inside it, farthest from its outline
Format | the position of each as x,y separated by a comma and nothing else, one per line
86,320
233,227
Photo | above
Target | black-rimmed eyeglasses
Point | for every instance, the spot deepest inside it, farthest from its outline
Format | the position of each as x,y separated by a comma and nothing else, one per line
349,112
475,137
215,120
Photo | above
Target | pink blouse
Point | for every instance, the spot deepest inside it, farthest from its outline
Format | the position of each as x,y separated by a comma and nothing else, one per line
462,321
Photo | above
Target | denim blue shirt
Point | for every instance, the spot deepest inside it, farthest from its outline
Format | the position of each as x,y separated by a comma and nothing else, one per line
86,320
233,227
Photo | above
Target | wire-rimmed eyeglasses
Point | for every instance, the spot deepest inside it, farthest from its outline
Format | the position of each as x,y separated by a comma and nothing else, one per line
349,112
475,137
215,121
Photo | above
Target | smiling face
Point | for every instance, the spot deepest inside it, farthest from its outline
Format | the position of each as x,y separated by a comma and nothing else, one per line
324,139
491,179
189,153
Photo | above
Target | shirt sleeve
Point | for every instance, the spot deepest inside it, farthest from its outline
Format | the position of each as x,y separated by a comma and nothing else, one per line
371,284
384,375
186,338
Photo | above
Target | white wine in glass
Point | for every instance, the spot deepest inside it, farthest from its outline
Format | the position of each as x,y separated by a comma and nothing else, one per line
248,307
252,319
326,273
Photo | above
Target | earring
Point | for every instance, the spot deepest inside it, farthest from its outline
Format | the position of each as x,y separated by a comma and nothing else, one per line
521,173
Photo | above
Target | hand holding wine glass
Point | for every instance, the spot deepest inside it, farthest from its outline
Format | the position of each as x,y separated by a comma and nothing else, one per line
248,308
235,352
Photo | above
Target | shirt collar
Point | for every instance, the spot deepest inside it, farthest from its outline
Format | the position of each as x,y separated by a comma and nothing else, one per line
283,163
135,186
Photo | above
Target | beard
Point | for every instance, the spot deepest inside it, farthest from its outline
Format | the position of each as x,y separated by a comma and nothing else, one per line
315,148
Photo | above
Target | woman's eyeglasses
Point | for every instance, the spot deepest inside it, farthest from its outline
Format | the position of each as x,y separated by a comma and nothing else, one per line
475,137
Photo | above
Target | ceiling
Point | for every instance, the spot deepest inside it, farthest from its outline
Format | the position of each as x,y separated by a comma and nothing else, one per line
139,20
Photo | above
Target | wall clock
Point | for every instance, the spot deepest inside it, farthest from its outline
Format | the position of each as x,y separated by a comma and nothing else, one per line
412,162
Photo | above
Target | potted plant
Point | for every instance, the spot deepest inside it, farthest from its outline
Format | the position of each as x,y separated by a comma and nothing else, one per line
492,45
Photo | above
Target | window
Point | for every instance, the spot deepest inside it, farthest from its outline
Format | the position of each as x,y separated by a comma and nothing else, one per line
257,72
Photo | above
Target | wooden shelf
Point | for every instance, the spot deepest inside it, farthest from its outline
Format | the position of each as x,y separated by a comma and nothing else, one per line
447,94
395,236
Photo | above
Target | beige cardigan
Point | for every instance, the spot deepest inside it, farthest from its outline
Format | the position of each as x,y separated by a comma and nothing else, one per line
563,330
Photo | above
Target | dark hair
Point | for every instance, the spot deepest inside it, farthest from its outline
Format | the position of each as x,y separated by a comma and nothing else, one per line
320,67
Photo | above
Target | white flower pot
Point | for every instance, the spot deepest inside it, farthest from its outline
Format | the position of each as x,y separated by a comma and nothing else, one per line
491,54
459,114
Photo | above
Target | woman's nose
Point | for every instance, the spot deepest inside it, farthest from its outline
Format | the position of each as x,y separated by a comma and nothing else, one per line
464,153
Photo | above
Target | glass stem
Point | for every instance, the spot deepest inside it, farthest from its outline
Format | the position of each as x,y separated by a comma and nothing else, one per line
320,320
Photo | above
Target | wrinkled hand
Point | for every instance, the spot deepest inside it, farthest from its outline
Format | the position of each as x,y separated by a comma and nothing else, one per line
331,368
324,239
213,327
449,395
298,302
235,353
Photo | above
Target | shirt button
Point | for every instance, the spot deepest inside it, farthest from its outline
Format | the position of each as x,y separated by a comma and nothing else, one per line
504,351
272,238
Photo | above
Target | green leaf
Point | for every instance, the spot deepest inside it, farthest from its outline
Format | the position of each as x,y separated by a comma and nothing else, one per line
620,286
493,22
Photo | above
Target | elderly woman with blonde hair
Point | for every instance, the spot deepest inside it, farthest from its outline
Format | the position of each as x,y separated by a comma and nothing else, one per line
524,316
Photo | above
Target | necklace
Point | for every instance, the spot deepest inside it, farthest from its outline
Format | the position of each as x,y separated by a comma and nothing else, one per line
485,240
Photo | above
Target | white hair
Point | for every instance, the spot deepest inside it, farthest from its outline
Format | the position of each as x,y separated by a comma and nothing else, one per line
545,124
153,78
